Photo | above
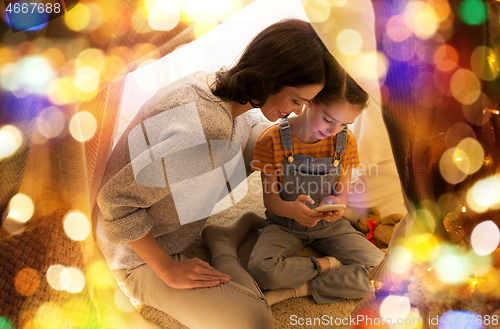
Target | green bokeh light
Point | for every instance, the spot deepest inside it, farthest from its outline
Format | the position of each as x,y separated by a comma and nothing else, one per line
5,323
473,12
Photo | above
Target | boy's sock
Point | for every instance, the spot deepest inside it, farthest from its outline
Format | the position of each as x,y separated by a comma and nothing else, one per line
334,262
225,239
274,296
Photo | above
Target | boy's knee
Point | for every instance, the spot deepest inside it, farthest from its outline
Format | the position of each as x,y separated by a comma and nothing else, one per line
264,272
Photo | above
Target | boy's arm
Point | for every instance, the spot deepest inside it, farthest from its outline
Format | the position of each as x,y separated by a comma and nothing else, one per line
292,209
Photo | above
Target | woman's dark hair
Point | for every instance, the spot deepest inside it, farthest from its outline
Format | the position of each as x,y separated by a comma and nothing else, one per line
287,53
339,89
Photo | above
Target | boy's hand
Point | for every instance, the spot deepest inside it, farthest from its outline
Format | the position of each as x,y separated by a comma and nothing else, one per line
332,215
303,214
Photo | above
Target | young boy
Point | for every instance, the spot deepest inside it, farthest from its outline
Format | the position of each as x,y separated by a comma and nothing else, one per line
306,161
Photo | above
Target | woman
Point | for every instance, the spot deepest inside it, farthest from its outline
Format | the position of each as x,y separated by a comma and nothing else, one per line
143,230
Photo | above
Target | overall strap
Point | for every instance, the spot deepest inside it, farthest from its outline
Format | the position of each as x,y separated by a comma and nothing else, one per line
286,135
340,146
341,142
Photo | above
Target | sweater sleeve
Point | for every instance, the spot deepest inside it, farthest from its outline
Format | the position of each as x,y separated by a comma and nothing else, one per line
163,172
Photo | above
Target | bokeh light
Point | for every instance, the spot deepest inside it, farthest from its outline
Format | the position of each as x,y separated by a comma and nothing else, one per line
484,63
83,126
477,113
91,57
76,225
49,315
370,66
34,73
77,314
485,238
349,42
441,9
72,280
474,153
451,267
465,86
400,51
473,12
11,139
21,208
317,10
425,247
484,194
490,283
458,132
114,65
78,18
400,261
202,27
99,275
96,16
123,302
27,281
396,28
50,122
446,58
87,79
6,56
6,323
395,307
421,19
55,57
164,15
451,163
62,91
54,276
334,3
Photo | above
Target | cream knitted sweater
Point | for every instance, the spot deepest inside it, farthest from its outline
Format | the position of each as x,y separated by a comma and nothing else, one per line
130,210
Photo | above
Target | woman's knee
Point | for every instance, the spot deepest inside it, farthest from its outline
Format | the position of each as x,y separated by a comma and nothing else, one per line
259,318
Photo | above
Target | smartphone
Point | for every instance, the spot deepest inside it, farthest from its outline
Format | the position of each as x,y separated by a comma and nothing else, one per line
330,207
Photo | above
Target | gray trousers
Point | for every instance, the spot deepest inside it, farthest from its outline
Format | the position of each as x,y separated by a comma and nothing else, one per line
273,266
236,304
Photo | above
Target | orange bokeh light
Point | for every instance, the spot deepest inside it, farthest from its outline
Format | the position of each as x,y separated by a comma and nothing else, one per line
27,281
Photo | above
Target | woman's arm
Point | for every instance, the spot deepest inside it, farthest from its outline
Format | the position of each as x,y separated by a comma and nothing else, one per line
191,273
292,209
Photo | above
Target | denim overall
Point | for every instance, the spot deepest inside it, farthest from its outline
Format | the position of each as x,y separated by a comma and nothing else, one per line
303,174
272,263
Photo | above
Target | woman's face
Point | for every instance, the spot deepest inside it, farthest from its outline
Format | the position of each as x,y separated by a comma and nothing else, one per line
287,100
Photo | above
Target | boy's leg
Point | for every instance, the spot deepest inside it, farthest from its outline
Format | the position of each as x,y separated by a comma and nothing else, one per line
271,263
229,305
358,255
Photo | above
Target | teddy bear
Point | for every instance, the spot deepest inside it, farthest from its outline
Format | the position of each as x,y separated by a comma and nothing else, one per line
377,229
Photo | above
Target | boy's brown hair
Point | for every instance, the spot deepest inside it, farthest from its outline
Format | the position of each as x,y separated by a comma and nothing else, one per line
342,86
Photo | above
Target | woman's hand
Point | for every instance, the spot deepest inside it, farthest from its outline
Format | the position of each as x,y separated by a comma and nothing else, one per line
192,273
332,215
302,213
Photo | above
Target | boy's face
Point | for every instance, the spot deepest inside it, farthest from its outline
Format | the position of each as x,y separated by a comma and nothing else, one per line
327,120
